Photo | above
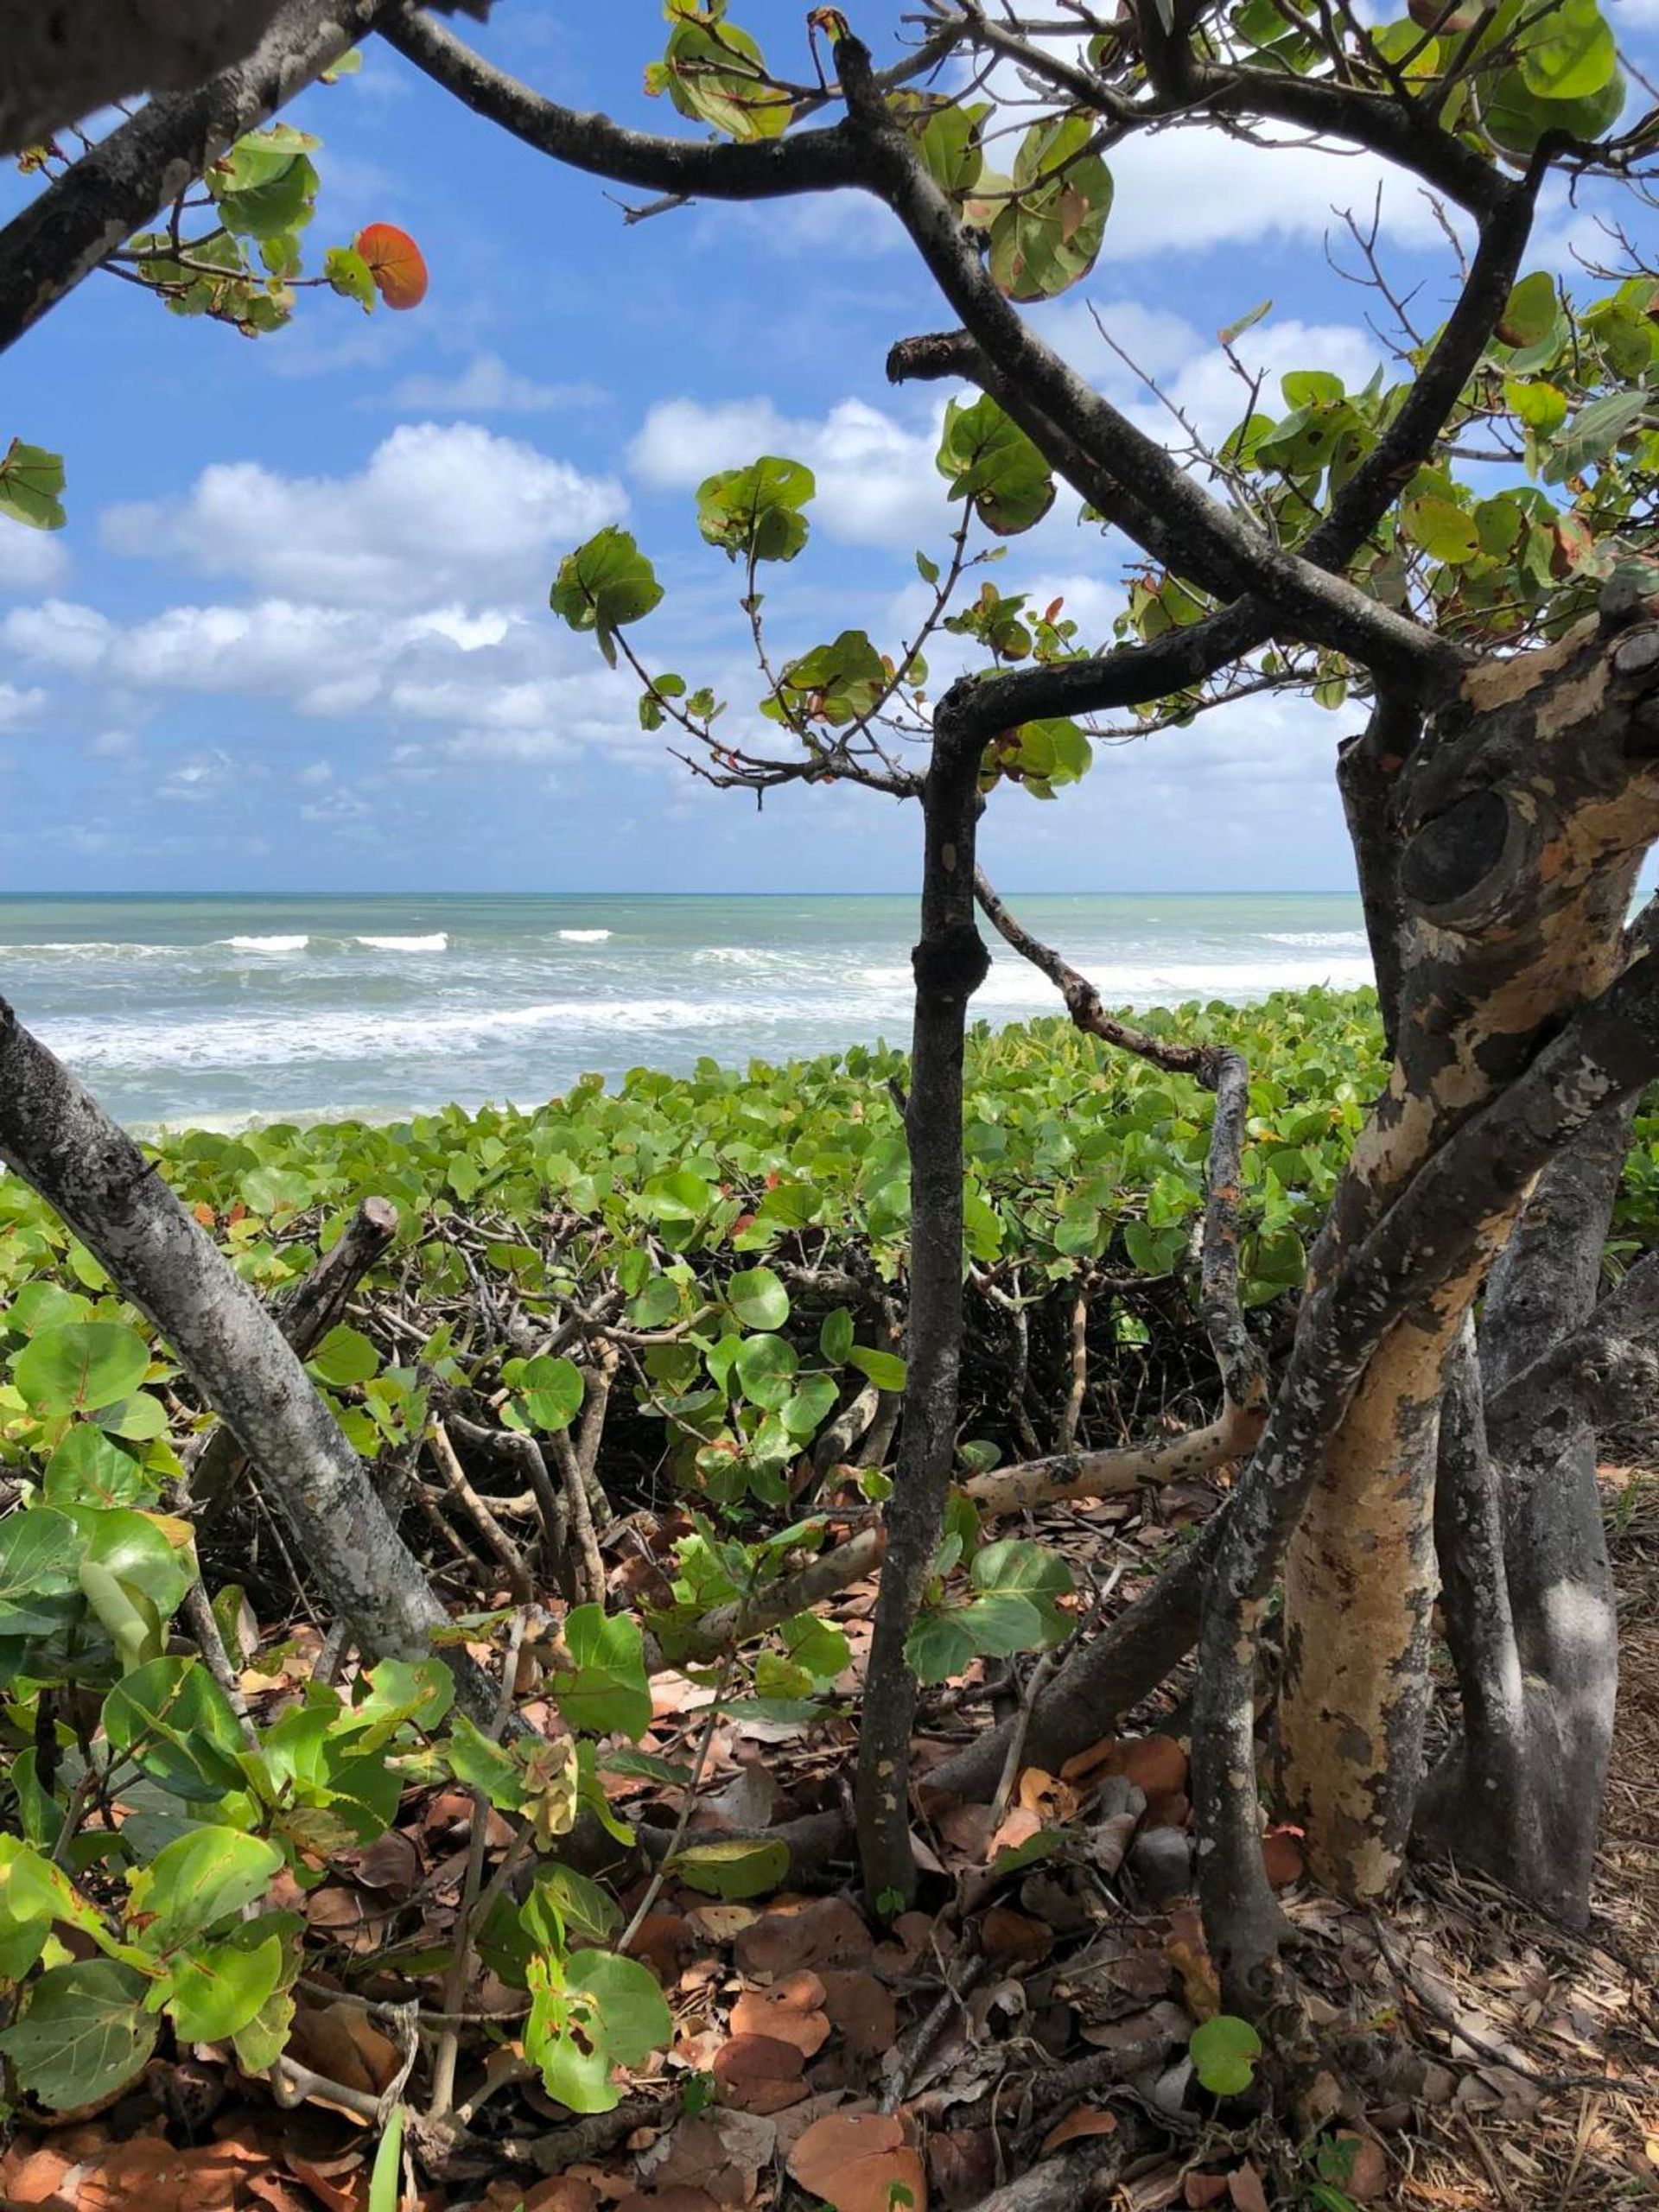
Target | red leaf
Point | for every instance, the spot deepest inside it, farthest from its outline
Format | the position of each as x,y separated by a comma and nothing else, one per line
395,263
854,2162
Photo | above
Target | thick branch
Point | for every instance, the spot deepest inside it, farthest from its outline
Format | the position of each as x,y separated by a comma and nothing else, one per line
1310,602
805,161
122,184
56,1136
1604,1368
1072,1477
951,963
305,1316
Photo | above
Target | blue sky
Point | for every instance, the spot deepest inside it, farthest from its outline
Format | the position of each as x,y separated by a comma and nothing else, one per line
296,635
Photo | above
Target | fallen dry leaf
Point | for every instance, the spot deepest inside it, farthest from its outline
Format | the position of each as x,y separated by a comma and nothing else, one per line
1363,2172
962,2166
825,1932
1085,2122
1245,2188
1007,1935
1282,1857
791,2009
668,2200
341,2043
854,2162
760,2074
1203,2189
861,2010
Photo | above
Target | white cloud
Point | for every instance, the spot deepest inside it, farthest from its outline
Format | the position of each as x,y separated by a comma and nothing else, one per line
877,483
200,776
31,560
113,744
438,509
18,706
318,772
1186,190
487,386
58,634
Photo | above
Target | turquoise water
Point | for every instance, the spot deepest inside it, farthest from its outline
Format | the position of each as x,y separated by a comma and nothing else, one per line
221,1010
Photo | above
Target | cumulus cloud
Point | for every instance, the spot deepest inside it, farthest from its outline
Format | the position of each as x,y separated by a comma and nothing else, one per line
877,482
487,386
438,510
58,634
31,560
18,706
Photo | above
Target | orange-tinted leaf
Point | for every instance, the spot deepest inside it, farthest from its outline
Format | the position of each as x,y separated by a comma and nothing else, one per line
395,263
853,2161
860,2011
1246,2190
1281,1857
791,2010
760,2074
1085,2120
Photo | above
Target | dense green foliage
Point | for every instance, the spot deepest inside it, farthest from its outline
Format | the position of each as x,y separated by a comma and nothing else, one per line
751,1226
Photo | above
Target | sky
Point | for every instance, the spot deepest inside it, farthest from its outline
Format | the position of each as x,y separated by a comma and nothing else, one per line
296,635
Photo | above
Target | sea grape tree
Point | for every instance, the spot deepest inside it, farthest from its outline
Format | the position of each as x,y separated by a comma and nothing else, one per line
1454,556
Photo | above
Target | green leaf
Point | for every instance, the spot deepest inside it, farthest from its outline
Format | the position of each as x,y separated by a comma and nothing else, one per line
940,1646
604,586
345,1356
834,684
836,1335
713,71
552,1390
564,1903
1442,529
220,1988
350,276
1594,433
387,2181
31,486
735,1866
1569,52
1223,2052
681,1196
40,1554
609,1693
765,1367
173,1720
80,1366
1018,1564
202,1879
754,513
482,1764
1048,235
1003,1622
885,1369
1532,311
85,2032
590,2015
757,1299
988,459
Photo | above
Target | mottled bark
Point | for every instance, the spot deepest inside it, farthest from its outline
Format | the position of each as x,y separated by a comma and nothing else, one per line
1520,821
55,1135
1529,1602
304,1315
951,963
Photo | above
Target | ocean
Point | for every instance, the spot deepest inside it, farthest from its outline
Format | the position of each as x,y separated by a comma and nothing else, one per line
223,1011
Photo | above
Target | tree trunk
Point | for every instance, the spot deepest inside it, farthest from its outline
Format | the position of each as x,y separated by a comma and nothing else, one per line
1529,1602
1519,822
56,1136
951,963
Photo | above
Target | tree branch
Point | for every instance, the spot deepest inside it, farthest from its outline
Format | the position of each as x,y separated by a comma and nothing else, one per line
128,178
810,161
1212,539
